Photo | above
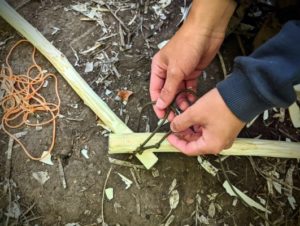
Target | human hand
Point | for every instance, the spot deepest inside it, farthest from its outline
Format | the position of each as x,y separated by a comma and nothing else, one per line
206,127
177,66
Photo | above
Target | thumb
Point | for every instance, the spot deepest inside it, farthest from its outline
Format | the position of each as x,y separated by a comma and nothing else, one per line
183,121
169,90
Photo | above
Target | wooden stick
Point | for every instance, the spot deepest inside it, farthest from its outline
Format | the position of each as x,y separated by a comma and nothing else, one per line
127,143
63,66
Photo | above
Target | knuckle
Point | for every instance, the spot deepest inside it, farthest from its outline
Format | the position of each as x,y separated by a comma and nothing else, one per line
175,126
174,73
166,91
217,147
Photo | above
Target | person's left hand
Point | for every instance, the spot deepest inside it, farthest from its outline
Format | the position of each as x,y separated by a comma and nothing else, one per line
206,127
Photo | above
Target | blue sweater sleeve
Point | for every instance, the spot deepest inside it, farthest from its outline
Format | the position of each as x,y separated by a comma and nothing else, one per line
265,79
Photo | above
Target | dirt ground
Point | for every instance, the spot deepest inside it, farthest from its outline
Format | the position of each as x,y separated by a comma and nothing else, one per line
80,202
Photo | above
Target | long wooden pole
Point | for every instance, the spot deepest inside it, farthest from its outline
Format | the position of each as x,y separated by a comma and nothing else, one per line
127,143
63,66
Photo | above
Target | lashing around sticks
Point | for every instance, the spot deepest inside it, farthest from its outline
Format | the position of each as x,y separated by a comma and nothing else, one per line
173,107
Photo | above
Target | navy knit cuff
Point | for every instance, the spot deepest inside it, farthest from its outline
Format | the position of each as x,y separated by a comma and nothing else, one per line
240,97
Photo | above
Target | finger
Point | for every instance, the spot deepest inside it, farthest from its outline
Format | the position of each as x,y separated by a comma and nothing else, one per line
191,85
169,90
157,80
183,121
159,113
192,148
188,135
186,147
182,102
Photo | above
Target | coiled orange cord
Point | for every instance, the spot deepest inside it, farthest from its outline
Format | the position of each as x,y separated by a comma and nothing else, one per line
22,99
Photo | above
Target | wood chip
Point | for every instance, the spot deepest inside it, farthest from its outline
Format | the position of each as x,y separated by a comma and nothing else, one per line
62,173
41,176
127,182
207,166
109,192
46,158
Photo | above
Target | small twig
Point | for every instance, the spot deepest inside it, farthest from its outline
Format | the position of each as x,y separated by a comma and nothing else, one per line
197,213
122,41
103,194
166,217
8,158
76,56
222,64
146,6
92,29
6,40
252,164
134,178
33,219
74,119
138,204
241,44
124,163
22,4
30,208
9,202
117,18
61,173
292,137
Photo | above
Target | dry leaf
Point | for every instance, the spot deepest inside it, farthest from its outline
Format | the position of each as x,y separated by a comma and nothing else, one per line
277,187
292,201
124,95
198,198
173,185
41,176
289,180
245,198
212,210
203,220
174,199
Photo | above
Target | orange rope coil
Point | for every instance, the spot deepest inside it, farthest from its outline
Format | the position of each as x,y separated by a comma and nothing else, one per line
22,99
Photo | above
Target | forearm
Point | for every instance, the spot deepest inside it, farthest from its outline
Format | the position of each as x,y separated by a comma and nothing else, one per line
265,79
211,16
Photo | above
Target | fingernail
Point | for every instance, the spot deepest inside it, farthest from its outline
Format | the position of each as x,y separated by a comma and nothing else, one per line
160,104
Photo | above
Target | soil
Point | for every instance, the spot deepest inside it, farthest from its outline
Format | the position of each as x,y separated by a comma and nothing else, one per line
80,202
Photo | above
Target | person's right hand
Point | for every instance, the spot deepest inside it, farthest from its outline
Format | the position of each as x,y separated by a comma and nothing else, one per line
177,66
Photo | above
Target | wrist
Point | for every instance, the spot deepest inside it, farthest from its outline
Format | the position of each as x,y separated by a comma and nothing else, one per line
210,17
